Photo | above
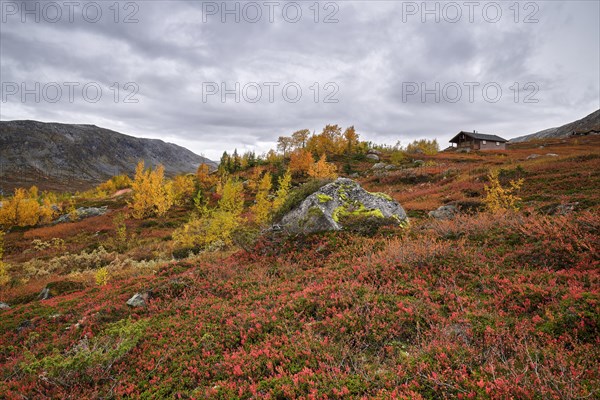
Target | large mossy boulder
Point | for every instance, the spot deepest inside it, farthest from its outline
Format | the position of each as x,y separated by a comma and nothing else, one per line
337,205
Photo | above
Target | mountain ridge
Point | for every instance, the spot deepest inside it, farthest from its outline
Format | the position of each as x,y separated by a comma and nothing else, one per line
56,156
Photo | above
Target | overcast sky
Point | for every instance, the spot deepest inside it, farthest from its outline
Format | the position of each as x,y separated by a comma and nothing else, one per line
395,70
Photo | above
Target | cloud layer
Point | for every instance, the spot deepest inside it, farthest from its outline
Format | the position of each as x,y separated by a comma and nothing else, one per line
395,70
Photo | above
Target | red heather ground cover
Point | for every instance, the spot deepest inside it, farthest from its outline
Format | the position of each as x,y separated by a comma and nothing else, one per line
491,306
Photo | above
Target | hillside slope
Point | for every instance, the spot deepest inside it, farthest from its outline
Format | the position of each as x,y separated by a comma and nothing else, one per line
586,124
53,155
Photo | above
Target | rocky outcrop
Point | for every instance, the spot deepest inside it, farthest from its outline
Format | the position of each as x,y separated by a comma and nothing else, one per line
334,204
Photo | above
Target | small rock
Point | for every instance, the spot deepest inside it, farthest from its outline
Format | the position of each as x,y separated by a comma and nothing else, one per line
138,300
552,155
373,157
44,294
24,325
58,288
444,212
532,156
379,165
354,175
373,151
419,162
4,306
390,167
567,208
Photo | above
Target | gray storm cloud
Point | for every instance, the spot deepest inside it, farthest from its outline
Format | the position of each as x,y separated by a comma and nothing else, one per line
395,70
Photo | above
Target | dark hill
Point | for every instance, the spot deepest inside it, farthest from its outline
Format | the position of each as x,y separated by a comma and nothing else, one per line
588,124
74,157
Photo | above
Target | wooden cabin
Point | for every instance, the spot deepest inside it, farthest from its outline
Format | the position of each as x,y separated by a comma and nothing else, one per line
478,141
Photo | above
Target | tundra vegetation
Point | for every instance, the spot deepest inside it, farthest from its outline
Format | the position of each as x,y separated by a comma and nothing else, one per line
501,301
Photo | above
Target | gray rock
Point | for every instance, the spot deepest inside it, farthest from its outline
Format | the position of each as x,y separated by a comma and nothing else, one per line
551,155
379,165
3,306
564,209
324,209
373,151
390,167
44,294
373,157
532,156
444,212
138,300
419,162
84,212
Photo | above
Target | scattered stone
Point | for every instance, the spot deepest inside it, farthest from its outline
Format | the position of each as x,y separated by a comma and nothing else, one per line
373,157
373,151
4,306
552,155
390,167
448,211
354,175
379,165
532,156
419,162
59,288
138,299
326,209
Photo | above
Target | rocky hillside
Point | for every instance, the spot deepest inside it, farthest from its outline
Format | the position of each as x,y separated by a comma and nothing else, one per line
62,156
589,123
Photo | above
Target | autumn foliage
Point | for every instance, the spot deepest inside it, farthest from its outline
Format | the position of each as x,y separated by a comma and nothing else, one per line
150,195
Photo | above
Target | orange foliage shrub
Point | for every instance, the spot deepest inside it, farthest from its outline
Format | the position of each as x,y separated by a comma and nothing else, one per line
301,161
322,169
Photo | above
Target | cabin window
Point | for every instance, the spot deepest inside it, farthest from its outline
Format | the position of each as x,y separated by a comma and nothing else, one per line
484,142
497,143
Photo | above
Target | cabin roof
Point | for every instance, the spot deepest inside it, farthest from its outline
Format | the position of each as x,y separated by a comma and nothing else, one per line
477,135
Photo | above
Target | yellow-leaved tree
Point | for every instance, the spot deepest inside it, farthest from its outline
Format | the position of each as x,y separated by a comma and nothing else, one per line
285,183
150,194
182,189
322,169
218,225
4,277
500,198
23,209
263,205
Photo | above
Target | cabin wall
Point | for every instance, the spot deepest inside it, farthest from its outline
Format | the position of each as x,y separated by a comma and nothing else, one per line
491,145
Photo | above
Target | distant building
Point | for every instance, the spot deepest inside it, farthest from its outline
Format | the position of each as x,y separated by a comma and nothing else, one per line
478,141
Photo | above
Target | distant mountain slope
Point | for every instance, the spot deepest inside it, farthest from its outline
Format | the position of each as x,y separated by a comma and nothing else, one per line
589,123
62,156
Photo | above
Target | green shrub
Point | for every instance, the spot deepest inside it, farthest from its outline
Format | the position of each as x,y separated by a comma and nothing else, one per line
298,195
